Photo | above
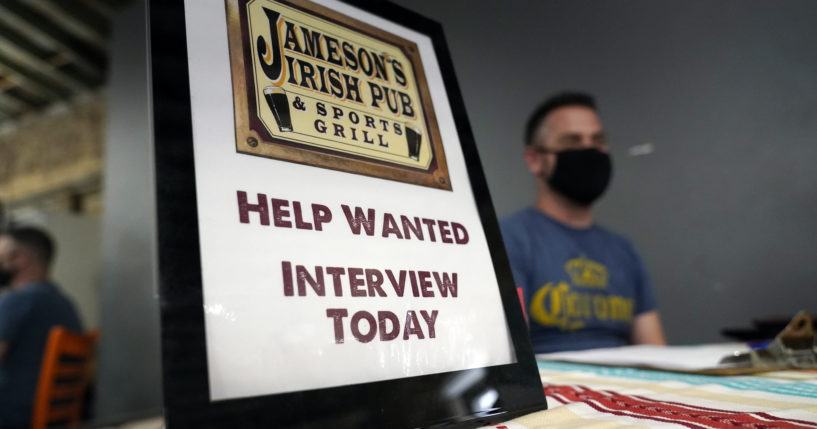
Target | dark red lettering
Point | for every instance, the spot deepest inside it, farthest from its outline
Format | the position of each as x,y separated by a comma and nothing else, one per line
321,215
359,219
244,208
398,285
355,325
425,284
337,315
374,279
429,223
412,326
390,226
299,217
382,318
409,227
355,283
278,213
303,277
286,270
460,233
336,273
430,319
445,233
446,284
413,279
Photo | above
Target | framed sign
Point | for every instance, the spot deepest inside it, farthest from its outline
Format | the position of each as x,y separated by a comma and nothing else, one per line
328,251
328,90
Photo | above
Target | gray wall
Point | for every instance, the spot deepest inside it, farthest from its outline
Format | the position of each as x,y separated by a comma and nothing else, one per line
129,355
76,269
724,209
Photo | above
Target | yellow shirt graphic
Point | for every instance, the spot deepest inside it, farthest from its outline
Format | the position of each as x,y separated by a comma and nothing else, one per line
559,305
582,286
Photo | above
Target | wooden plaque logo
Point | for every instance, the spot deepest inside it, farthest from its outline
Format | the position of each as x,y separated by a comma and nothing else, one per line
316,87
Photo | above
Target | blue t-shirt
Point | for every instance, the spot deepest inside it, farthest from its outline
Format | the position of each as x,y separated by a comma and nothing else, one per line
581,287
26,317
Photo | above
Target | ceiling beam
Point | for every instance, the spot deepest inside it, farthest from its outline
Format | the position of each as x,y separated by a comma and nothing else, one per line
49,35
11,106
31,79
76,17
20,91
28,65
55,57
51,50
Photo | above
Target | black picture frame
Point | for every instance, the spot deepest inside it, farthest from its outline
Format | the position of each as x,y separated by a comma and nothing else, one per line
409,402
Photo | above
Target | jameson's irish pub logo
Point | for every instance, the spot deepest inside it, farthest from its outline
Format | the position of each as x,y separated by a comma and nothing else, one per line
316,87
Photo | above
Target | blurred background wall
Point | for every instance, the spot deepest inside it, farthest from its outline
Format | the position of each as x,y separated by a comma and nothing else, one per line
711,110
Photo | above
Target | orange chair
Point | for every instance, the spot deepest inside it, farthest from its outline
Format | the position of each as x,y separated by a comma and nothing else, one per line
64,377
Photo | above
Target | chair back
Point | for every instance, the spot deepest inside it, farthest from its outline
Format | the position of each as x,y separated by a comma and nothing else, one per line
64,377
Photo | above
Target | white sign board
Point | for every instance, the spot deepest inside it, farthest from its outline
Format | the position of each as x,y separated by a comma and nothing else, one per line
315,275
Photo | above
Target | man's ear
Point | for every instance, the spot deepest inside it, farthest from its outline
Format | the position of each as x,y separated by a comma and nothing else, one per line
532,156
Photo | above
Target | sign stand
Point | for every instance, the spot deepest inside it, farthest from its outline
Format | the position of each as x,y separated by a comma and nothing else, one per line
328,251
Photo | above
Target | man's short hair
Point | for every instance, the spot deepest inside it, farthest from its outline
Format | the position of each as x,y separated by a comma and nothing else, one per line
562,99
37,241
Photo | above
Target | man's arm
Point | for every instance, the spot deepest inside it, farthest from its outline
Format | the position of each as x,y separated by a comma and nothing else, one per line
3,347
646,329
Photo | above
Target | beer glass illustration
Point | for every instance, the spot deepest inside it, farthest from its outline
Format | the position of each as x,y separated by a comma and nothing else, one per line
277,100
413,137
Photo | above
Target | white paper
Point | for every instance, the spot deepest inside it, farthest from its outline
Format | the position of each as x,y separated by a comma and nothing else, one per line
690,358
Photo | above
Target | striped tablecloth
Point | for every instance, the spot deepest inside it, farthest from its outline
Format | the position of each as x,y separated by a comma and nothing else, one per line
582,395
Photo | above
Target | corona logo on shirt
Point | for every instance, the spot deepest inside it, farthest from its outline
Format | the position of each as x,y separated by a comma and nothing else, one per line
584,272
560,305
319,88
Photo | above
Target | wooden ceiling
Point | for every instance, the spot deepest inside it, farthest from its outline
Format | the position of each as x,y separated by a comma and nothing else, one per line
50,51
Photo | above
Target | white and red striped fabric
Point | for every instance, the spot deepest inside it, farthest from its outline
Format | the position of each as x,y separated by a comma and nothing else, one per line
583,395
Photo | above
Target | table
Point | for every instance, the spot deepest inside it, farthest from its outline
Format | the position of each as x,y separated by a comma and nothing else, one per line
586,395
583,394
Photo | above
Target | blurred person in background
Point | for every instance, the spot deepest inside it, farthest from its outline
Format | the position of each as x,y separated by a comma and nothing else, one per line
29,308
583,285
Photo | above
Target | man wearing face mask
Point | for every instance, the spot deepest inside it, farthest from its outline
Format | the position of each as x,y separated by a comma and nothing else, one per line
29,308
584,286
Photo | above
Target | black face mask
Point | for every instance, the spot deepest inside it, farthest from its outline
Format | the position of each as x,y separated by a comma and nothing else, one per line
581,175
5,277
